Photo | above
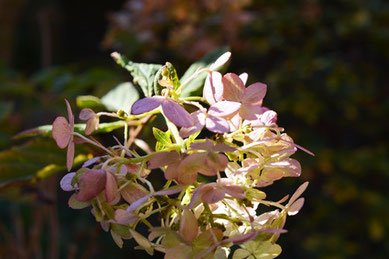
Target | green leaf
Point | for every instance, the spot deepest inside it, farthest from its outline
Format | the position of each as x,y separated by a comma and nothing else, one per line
194,87
121,230
108,210
163,139
118,240
88,101
143,74
35,160
45,130
121,97
77,205
142,241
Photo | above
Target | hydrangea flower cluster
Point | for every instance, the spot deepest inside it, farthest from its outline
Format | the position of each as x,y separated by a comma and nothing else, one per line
212,198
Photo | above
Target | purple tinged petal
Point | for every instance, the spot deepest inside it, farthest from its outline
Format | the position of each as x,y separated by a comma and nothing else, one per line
70,115
298,192
171,171
269,117
224,109
91,161
202,145
138,202
188,177
217,125
199,123
242,238
86,114
296,207
92,125
235,191
211,194
220,61
233,87
164,158
66,182
111,187
132,192
70,154
250,111
123,217
254,94
146,104
61,132
274,230
168,191
213,88
177,114
189,227
91,184
221,147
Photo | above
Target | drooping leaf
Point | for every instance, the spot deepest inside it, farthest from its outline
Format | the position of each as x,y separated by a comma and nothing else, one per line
34,161
194,88
143,74
80,128
121,97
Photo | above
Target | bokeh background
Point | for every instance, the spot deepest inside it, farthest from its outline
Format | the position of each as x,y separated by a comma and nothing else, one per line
326,66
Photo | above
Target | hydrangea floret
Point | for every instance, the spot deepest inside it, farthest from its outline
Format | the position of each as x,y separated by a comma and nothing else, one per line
212,198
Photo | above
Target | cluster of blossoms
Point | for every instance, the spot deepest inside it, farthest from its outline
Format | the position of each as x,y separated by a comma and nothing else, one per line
212,198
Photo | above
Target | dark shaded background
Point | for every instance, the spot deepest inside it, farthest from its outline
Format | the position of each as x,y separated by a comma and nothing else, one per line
325,64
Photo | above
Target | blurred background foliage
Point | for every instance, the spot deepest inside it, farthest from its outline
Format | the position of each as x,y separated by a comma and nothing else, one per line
325,66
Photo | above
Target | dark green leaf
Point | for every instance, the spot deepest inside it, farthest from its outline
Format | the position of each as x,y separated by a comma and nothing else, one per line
121,97
194,87
143,74
35,160
80,128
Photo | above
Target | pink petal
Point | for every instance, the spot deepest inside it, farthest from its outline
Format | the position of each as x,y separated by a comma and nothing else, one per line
221,147
111,187
198,118
235,191
296,207
171,171
132,192
164,158
70,114
213,88
189,227
91,184
298,192
213,164
146,104
61,132
217,125
123,217
212,195
176,114
274,230
203,145
244,77
187,177
254,94
225,109
70,155
86,114
92,125
250,112
233,87
220,61
66,182
269,117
